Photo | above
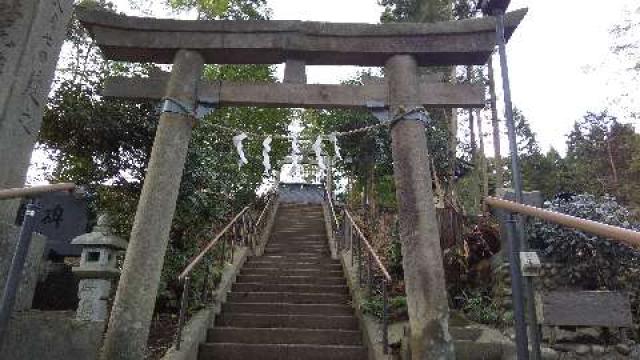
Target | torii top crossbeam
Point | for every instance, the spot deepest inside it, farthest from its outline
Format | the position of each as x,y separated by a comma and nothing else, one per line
136,39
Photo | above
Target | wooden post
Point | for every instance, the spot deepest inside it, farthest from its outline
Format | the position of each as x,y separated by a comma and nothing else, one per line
419,231
132,310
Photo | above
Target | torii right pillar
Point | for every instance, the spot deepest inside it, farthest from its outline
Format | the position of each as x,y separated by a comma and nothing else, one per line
419,232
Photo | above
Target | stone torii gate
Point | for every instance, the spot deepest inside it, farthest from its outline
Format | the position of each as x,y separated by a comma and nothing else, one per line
188,45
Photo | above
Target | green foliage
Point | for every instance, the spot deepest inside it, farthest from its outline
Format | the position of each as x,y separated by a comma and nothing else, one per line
223,9
415,10
106,143
86,135
603,155
481,308
397,307
588,261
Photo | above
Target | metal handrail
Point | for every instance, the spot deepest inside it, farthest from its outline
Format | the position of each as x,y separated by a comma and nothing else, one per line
211,244
355,248
32,191
336,223
626,236
372,252
267,206
184,277
241,225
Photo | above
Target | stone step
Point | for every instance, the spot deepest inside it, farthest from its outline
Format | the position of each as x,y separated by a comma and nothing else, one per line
301,254
298,253
307,235
265,279
236,351
311,230
296,249
273,271
278,259
252,320
291,288
297,244
284,336
472,350
295,264
320,245
337,309
298,238
287,297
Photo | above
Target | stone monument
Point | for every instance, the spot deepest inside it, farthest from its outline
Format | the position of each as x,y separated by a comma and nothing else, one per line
31,35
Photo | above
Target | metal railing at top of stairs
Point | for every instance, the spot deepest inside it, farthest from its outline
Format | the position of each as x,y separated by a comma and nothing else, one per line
241,230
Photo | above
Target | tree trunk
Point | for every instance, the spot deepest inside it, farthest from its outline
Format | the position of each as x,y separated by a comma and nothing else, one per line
482,158
614,170
472,132
496,127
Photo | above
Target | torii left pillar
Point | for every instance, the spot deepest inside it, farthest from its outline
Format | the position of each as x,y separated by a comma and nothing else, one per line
133,307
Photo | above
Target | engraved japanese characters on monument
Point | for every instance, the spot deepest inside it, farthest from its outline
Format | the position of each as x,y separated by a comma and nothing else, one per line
31,36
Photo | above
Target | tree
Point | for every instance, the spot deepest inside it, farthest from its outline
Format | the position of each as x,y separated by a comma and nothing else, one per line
416,10
540,172
105,143
603,156
626,45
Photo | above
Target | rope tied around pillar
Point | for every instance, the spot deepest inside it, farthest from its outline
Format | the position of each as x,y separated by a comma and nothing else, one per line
418,113
198,112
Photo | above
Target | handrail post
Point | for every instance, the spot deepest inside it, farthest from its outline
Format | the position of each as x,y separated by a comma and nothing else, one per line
17,265
234,239
359,247
369,275
223,250
522,342
385,318
204,294
183,310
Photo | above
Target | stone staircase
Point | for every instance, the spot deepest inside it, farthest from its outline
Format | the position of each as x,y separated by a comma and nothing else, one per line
290,303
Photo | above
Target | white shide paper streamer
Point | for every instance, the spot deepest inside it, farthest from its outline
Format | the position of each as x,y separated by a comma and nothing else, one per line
266,160
317,148
237,142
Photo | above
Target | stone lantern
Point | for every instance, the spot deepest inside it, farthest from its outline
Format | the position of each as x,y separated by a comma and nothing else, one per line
97,269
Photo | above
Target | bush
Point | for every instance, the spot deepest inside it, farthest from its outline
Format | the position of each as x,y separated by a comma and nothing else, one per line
481,308
397,307
589,262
